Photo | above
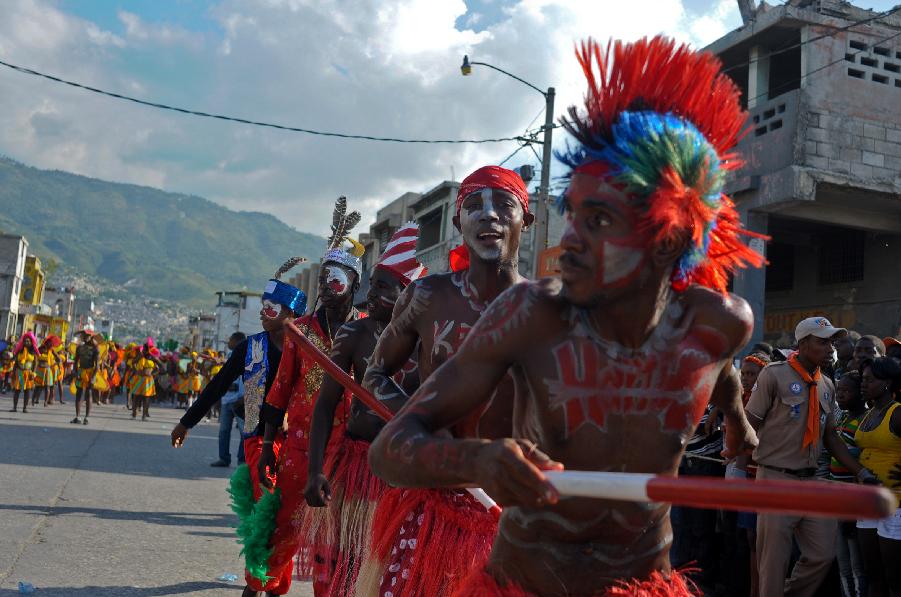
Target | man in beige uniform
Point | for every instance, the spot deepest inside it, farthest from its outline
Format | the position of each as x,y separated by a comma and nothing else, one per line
791,430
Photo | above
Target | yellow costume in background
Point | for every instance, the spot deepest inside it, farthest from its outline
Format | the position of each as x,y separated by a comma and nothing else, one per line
24,366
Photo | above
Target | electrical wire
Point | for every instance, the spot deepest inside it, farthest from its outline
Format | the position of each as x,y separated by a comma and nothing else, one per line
294,129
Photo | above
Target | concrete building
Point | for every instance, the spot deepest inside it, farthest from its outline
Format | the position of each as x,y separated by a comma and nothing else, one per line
31,297
822,174
61,302
387,221
237,311
13,253
83,313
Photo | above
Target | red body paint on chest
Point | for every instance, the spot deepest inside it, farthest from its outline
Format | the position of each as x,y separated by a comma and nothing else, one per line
674,385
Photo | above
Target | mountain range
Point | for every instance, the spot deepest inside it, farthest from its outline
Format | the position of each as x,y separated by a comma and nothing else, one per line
160,244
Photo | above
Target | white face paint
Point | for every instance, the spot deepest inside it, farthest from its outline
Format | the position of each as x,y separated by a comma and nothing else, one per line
487,245
270,309
336,280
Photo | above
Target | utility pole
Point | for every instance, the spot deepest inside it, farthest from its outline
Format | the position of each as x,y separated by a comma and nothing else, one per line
541,213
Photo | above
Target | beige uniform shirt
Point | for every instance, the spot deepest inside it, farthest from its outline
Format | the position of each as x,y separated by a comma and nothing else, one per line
779,399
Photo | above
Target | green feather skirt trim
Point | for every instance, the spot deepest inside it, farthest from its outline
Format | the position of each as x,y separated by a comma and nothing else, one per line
256,522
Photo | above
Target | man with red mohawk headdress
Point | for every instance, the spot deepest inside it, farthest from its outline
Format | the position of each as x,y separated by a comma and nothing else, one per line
348,488
616,361
424,542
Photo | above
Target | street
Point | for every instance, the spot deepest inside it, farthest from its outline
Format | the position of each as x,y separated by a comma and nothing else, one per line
110,509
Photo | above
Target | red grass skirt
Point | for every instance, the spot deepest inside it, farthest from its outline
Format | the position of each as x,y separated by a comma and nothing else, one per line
425,542
482,584
343,528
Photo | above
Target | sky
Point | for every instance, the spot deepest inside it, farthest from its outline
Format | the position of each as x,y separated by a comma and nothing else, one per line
382,68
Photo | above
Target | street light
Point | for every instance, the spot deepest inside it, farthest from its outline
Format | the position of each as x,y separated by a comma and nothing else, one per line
541,217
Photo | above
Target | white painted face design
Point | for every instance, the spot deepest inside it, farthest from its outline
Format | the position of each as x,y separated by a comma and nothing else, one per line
485,239
336,280
270,309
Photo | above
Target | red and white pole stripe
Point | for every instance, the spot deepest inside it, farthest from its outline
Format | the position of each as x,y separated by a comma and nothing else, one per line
833,500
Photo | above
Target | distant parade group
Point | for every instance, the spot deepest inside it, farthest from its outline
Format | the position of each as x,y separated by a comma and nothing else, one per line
475,433
95,370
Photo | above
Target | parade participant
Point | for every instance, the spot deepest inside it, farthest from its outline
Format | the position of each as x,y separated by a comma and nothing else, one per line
616,361
146,365
294,395
86,362
24,356
256,359
194,378
60,367
349,488
45,380
6,367
436,314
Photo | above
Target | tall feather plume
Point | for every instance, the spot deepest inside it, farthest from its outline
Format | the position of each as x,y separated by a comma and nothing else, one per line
342,223
352,220
338,218
288,265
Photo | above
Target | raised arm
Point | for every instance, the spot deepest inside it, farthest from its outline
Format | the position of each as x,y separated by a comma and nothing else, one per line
317,491
396,344
409,453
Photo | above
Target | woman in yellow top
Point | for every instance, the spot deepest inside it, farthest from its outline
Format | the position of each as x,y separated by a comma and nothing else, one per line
145,366
23,369
879,440
45,374
6,369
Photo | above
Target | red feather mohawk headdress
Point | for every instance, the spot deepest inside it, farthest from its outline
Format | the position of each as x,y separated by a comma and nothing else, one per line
661,120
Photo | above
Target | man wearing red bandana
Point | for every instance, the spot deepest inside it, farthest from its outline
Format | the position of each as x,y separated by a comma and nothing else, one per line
425,541
616,361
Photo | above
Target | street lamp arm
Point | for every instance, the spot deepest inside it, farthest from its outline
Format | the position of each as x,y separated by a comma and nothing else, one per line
500,70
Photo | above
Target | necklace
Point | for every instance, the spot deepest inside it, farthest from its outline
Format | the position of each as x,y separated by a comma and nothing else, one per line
872,421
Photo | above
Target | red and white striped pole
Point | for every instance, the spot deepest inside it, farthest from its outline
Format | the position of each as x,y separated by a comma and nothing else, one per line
833,500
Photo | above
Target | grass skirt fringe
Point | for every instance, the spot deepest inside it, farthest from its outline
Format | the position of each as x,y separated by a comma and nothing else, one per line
482,584
344,526
425,542
256,522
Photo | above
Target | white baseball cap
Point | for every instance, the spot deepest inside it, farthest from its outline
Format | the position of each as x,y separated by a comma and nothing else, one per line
819,327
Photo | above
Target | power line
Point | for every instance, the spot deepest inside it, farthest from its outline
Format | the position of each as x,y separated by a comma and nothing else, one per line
876,17
824,67
294,129
515,151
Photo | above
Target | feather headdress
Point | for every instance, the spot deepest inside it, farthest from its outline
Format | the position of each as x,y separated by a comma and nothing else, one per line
286,266
663,120
342,224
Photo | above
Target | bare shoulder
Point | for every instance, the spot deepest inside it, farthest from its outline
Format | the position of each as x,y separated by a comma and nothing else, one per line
527,310
416,300
729,314
355,329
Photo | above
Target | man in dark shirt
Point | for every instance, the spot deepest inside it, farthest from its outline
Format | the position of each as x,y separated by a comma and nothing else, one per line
86,357
265,346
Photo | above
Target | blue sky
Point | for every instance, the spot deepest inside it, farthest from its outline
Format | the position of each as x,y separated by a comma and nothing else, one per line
386,68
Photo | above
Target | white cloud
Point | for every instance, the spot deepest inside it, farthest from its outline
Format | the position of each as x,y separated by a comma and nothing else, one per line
346,66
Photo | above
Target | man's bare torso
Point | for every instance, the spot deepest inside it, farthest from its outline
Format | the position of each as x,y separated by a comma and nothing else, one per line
442,311
595,405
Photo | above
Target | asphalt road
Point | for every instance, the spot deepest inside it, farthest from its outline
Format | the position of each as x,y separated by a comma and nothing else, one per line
110,509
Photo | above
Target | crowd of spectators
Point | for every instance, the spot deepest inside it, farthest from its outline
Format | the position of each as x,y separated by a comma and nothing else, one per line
826,409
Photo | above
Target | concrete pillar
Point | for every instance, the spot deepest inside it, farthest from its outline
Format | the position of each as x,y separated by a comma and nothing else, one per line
758,77
750,284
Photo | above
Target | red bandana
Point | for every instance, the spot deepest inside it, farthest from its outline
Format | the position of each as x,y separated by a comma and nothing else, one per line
486,177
